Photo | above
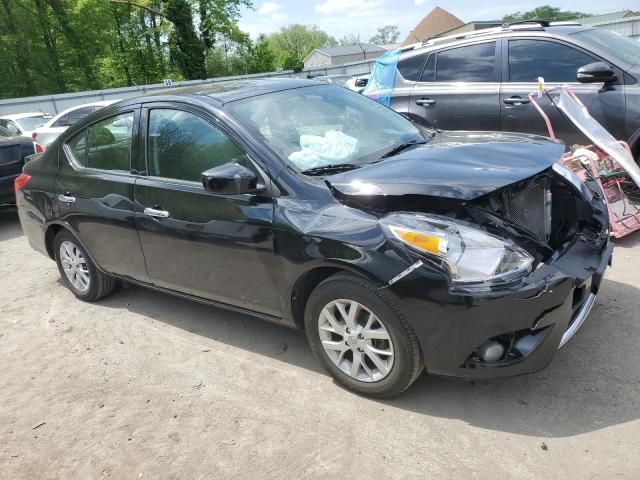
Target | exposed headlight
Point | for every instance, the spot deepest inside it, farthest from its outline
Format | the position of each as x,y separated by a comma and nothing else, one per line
475,260
574,180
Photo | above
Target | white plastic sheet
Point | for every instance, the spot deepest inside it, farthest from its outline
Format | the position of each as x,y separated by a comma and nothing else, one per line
317,151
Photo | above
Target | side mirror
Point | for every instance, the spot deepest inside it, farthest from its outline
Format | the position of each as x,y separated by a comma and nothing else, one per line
595,73
230,179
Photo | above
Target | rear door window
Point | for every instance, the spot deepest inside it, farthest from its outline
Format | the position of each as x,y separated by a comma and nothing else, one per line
105,145
555,62
411,68
472,63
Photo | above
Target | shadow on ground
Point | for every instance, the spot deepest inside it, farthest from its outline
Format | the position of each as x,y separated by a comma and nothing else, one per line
592,383
9,224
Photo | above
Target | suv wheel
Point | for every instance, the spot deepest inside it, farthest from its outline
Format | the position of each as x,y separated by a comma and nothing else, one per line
78,272
361,337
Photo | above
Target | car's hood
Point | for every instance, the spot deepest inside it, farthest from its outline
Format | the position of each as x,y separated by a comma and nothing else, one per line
460,165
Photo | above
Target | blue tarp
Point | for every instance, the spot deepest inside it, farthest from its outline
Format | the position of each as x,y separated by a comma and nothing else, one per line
383,78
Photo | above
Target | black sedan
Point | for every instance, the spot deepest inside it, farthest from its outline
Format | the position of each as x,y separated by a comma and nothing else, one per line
396,248
13,151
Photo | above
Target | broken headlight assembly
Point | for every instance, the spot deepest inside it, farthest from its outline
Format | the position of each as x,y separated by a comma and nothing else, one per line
475,260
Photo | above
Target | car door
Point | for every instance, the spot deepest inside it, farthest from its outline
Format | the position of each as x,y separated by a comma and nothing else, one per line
459,88
218,247
557,62
94,192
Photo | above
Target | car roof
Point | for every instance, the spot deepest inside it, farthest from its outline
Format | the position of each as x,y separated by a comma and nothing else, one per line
18,116
219,93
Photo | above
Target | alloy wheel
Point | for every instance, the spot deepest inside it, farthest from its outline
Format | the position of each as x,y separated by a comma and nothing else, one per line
75,266
356,340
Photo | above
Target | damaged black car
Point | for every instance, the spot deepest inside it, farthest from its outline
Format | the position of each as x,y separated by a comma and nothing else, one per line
396,248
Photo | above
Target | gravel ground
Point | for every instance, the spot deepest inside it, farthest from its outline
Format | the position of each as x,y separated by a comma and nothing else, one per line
145,385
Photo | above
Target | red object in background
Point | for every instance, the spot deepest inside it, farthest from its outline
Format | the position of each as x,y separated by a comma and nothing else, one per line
20,181
34,134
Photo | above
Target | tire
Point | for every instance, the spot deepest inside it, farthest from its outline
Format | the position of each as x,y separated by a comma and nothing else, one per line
89,286
338,347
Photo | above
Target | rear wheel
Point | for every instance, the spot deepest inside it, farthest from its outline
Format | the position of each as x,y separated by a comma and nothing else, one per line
78,272
361,338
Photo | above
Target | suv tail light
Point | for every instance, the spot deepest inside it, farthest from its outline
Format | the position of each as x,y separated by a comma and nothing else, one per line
38,148
20,181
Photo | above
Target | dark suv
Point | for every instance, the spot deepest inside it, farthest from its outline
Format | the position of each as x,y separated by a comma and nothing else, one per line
480,81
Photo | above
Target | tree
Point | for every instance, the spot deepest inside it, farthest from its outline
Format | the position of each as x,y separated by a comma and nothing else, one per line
350,39
187,49
386,34
545,12
294,42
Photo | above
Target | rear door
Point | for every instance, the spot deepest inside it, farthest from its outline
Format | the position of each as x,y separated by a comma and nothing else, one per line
459,88
218,247
94,192
557,62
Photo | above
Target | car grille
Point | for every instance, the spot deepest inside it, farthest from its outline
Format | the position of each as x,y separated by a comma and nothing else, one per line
531,209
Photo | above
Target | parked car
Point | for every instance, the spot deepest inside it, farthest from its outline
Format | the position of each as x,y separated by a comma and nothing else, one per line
396,248
480,80
5,133
358,83
23,124
48,132
13,151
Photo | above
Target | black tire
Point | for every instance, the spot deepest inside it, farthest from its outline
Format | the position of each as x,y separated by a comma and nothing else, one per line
407,363
100,285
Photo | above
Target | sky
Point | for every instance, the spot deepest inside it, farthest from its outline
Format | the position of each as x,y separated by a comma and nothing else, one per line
343,17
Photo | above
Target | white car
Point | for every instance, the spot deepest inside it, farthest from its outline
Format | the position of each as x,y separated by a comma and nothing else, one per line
23,124
47,133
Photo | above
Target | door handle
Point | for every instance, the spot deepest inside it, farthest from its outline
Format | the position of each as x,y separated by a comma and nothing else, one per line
425,102
152,212
516,100
67,198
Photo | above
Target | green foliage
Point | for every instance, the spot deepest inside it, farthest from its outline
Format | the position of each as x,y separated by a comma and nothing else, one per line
545,12
294,42
386,34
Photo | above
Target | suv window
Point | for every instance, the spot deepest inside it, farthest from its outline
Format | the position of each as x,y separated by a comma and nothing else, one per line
10,126
555,62
473,63
182,145
411,68
105,145
429,72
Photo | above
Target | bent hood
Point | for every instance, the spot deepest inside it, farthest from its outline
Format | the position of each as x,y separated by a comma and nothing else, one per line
459,165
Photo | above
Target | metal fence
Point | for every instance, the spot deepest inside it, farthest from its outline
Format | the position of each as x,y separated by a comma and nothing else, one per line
56,103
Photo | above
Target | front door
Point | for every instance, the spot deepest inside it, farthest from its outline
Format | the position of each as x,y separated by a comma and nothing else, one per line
558,63
218,247
459,88
94,193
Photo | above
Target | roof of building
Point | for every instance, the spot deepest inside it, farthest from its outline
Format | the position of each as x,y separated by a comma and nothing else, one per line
436,22
607,17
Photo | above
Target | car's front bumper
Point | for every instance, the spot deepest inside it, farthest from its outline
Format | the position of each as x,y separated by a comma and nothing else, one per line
541,315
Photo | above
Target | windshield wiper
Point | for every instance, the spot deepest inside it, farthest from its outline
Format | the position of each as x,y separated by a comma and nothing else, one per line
337,168
403,146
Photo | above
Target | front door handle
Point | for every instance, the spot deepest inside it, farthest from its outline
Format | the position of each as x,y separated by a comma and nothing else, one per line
152,212
67,198
516,100
425,102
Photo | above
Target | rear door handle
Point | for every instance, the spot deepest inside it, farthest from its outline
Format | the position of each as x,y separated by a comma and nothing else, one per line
67,199
425,101
516,100
152,212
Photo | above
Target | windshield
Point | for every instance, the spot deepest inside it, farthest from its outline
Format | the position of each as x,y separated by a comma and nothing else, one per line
30,123
322,125
621,47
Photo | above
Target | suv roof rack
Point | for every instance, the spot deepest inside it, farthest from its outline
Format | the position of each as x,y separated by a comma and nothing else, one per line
536,25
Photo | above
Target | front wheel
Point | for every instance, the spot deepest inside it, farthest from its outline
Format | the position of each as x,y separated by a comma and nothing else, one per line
78,272
361,337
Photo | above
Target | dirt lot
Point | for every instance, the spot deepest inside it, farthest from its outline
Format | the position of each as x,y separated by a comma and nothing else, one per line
145,385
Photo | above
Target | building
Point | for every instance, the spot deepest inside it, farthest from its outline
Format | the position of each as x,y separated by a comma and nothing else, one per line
472,27
436,22
626,22
330,57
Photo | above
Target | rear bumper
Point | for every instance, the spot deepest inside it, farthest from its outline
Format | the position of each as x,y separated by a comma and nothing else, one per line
539,317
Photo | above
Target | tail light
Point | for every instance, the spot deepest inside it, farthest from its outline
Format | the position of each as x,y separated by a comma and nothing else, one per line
34,134
20,181
39,148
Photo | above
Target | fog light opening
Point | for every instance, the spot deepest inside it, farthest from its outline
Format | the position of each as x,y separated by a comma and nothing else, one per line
491,351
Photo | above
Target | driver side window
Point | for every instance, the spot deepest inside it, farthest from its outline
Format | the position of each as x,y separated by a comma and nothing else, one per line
182,145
